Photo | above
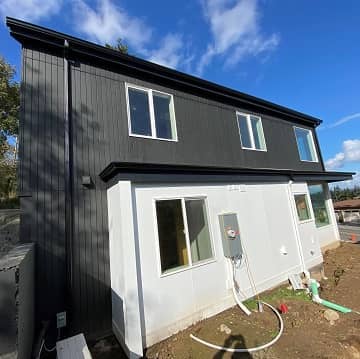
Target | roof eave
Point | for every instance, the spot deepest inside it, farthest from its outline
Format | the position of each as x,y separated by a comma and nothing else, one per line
150,168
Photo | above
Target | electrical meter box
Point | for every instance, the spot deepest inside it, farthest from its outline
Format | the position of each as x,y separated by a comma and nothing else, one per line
230,235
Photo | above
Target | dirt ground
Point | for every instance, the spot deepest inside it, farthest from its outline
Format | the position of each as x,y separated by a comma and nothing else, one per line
307,333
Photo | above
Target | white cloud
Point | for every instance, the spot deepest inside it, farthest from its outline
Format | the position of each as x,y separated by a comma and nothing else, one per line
345,119
108,22
173,52
170,51
350,153
236,31
30,10
355,181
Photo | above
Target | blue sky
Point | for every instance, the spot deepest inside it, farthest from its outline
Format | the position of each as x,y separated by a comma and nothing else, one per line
304,55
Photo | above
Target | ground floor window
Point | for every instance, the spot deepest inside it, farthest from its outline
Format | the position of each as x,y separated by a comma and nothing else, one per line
183,231
302,207
318,201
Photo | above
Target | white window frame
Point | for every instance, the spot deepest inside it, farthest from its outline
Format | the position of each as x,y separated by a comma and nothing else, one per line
327,197
312,143
151,113
251,133
190,265
308,205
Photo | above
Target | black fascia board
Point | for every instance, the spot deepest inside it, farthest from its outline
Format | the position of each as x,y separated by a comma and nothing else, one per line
27,33
115,168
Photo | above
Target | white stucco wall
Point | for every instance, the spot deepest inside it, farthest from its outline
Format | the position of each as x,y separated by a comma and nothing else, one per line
176,300
125,276
171,302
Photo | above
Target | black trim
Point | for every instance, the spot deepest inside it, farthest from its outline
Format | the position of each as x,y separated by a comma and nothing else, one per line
319,151
29,33
140,172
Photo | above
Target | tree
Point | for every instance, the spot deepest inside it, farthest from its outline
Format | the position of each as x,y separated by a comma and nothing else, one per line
119,46
341,194
9,127
9,105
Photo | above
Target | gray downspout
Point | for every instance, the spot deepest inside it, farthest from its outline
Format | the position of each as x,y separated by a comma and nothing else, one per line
68,181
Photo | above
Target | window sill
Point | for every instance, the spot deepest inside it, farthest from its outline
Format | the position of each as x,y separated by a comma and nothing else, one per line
317,161
324,226
183,269
154,138
306,221
253,149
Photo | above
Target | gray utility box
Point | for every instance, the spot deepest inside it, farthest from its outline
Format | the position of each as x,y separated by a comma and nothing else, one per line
230,235
17,302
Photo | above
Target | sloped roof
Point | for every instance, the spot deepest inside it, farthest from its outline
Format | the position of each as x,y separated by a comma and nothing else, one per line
347,204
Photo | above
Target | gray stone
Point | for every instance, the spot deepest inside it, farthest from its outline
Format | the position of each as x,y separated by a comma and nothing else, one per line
331,316
225,328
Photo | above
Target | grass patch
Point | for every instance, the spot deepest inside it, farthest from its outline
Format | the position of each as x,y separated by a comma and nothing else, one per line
277,295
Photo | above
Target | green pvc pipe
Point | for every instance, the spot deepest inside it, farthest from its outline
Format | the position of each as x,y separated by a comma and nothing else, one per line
314,288
326,303
337,307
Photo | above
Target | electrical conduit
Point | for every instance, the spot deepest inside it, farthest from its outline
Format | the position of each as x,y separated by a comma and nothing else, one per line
247,312
239,303
246,350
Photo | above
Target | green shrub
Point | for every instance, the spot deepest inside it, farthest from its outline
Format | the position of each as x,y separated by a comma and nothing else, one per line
10,203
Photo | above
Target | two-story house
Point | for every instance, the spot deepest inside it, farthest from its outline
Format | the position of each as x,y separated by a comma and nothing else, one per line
126,168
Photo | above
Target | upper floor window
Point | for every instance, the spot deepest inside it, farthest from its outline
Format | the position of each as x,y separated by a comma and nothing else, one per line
151,113
305,143
251,132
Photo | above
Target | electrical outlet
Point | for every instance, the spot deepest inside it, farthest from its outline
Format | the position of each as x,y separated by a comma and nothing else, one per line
60,320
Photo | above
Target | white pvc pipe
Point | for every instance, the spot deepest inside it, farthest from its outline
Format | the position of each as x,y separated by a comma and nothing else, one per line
246,350
237,300
239,303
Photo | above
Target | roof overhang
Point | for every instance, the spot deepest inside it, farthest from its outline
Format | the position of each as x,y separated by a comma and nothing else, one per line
147,172
33,35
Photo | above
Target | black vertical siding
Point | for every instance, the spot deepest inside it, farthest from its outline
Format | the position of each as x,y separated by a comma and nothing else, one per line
41,185
207,130
91,153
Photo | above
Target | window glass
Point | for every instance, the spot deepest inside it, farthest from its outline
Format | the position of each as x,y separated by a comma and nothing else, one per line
251,132
258,134
173,251
151,113
199,236
244,131
318,201
302,207
305,145
176,242
162,109
139,112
